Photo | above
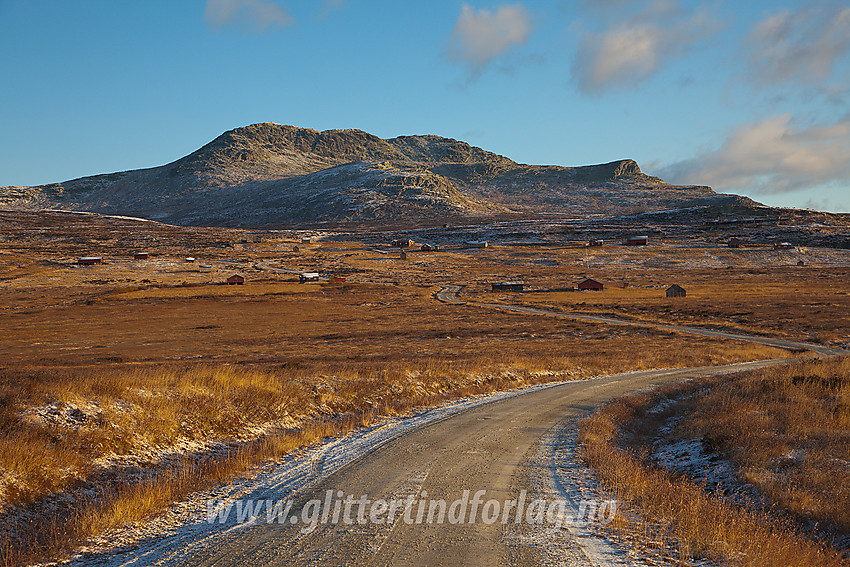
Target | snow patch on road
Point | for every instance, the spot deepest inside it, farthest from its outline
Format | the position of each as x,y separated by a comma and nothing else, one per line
557,473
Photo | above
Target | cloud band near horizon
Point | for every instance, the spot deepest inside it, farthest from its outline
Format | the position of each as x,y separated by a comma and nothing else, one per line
771,156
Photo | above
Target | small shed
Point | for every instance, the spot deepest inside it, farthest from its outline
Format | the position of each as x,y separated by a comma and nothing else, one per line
426,248
596,242
801,263
304,277
637,241
735,243
591,284
306,240
235,279
90,260
508,286
205,268
141,256
190,259
676,290
403,255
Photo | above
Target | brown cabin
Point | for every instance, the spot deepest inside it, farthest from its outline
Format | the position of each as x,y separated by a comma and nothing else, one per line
637,241
235,279
591,284
508,286
676,290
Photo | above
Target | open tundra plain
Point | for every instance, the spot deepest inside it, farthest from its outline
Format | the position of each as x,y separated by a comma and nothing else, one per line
141,388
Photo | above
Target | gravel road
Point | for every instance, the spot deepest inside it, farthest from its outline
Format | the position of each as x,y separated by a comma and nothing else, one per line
489,447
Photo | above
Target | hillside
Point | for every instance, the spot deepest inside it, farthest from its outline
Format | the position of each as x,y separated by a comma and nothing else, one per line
274,174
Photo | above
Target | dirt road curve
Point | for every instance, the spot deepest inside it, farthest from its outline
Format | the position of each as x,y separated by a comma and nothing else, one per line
449,294
489,447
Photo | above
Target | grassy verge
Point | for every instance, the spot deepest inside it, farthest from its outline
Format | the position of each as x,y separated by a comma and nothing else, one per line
122,445
753,419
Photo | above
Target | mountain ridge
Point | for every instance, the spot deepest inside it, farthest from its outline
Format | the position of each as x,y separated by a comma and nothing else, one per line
269,173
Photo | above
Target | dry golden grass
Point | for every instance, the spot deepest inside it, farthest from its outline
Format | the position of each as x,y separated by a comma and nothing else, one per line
788,432
752,419
214,290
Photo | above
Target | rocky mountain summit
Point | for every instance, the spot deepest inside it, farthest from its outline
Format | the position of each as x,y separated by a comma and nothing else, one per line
271,174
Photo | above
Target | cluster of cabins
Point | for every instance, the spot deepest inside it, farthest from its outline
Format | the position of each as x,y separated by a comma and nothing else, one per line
306,277
734,242
737,243
630,241
235,279
407,243
638,240
92,260
588,284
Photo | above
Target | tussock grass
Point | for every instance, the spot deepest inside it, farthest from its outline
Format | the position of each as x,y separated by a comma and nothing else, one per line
750,415
787,432
219,421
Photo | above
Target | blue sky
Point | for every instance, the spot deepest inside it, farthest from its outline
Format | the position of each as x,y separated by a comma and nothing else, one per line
751,98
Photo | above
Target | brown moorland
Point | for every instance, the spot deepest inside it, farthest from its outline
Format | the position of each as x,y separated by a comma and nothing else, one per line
118,368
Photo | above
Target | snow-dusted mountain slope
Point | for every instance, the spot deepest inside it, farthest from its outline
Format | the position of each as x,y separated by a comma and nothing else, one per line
275,174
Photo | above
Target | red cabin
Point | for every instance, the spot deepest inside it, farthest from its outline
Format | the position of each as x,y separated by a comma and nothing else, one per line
637,241
590,284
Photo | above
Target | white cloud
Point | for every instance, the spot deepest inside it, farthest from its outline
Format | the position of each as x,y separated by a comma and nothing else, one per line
627,51
772,156
481,36
800,45
258,14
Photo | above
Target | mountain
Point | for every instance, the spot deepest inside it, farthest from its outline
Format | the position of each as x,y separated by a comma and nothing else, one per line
274,174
